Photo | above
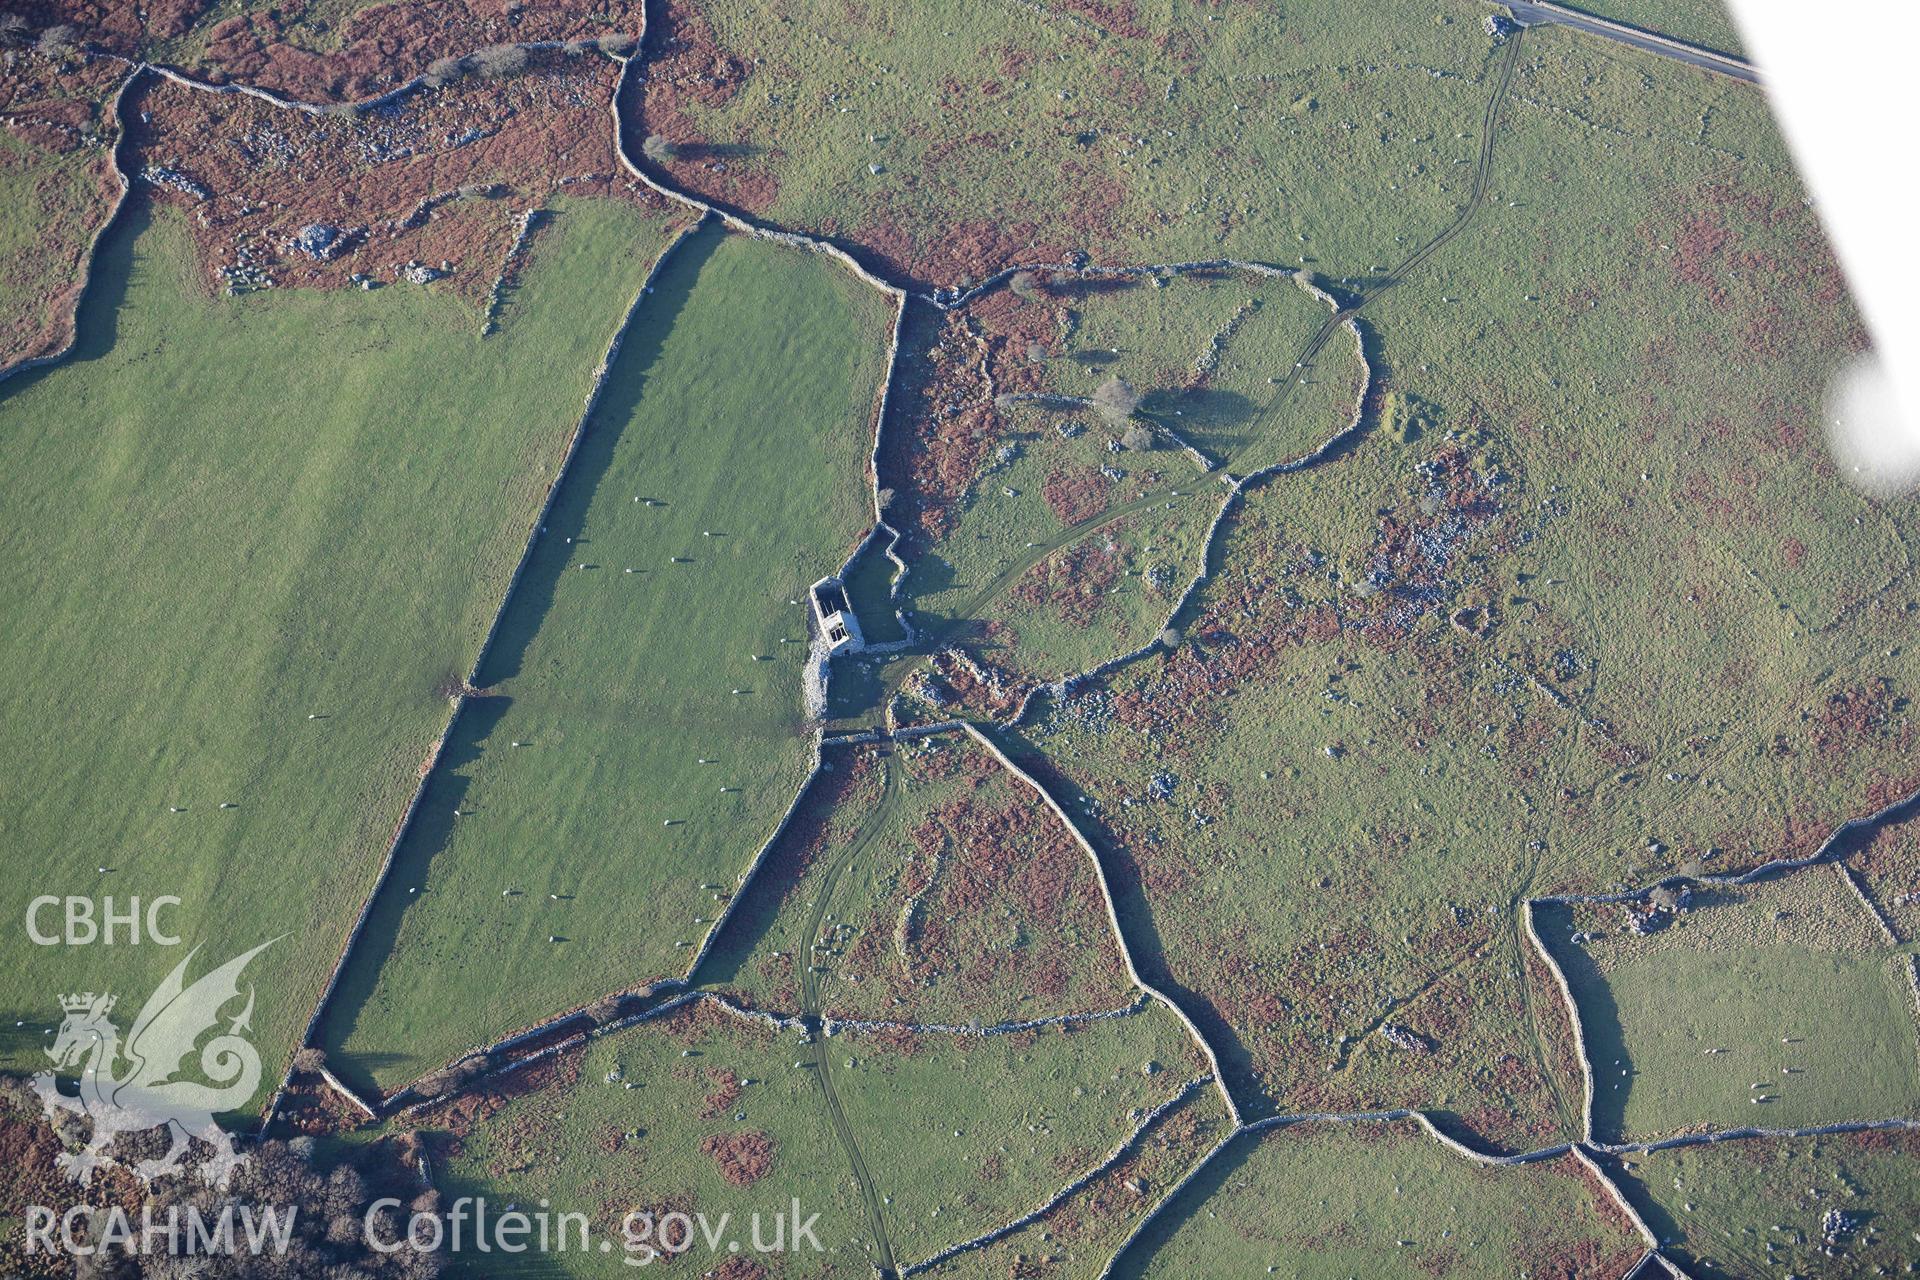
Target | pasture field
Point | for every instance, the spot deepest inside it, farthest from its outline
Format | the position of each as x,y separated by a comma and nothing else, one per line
967,1133
952,896
648,667
251,543
1776,1004
949,142
1316,804
1036,540
1888,867
1758,1206
340,50
1702,22
1079,1238
1588,604
1325,1202
1205,349
57,185
1720,611
706,1111
699,1112
67,203
1036,596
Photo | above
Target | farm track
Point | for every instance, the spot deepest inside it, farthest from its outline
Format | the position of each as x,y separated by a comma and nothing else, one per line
820,1051
1584,1150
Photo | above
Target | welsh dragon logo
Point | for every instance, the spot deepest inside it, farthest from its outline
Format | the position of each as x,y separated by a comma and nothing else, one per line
130,1088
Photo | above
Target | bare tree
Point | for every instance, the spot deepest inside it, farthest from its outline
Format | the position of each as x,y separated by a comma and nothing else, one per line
1115,399
658,149
1137,437
444,71
1025,284
59,41
607,1008
500,61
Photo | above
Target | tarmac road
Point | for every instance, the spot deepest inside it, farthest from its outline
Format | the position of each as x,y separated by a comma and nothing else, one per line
1538,13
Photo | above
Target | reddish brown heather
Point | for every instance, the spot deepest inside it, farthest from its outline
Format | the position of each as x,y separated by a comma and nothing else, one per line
743,1158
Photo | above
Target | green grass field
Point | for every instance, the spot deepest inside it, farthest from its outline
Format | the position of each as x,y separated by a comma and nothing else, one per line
1703,22
57,199
1606,611
1314,1202
1756,1207
620,1130
965,1134
1805,1008
723,472
953,897
1327,744
958,1135
1205,349
250,542
1079,1238
1064,550
1889,871
1156,133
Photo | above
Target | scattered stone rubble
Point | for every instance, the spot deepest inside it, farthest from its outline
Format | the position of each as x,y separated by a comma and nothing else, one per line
161,175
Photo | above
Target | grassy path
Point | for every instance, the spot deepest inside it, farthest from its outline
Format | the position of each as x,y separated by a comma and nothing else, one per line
818,1050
